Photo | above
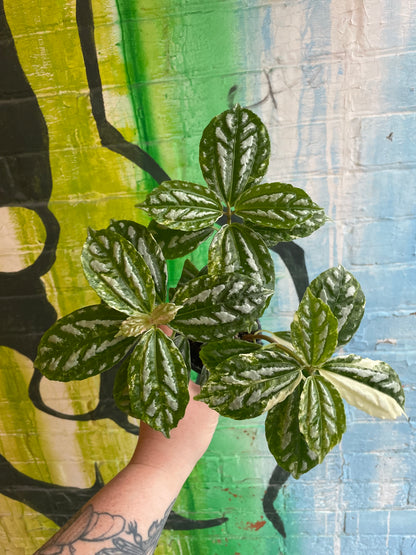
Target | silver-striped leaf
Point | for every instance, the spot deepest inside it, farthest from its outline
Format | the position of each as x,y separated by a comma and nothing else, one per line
83,344
237,248
248,384
183,205
215,352
321,415
234,152
144,242
273,236
158,382
285,441
370,385
276,205
314,330
176,243
117,272
340,290
214,307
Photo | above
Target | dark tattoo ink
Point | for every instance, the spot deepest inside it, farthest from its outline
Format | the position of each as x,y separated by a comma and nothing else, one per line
91,526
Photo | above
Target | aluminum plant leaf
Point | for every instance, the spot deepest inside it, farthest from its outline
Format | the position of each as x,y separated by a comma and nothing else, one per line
236,248
234,152
248,384
321,415
314,330
285,441
121,387
273,236
215,352
117,272
185,349
276,205
183,205
370,385
144,242
218,306
176,243
158,381
189,272
82,344
340,290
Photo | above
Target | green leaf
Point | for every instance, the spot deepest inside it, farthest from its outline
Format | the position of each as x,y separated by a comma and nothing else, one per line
215,352
236,248
339,289
234,152
370,385
314,330
117,272
175,242
82,344
158,382
183,205
285,441
184,348
273,236
121,387
144,242
321,415
219,306
248,384
189,272
276,205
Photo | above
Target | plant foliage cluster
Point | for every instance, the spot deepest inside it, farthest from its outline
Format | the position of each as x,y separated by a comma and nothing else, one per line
292,375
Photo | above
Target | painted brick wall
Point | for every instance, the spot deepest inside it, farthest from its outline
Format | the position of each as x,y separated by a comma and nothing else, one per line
334,81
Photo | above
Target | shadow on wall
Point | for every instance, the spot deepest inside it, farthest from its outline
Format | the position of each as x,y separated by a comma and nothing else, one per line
26,182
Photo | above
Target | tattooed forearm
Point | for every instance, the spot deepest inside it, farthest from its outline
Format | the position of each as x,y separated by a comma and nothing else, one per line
112,534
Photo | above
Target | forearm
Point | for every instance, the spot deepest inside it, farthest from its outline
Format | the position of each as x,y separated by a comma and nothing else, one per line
132,509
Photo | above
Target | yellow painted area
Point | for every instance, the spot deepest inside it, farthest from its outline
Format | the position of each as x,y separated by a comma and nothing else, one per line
22,238
90,185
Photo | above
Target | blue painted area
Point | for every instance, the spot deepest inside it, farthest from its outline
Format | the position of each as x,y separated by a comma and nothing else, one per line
355,152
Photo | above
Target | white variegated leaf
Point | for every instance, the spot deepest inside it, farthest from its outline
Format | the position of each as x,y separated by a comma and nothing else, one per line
370,385
236,248
83,344
144,242
158,382
183,205
117,272
214,307
321,415
339,289
314,330
234,152
275,205
248,384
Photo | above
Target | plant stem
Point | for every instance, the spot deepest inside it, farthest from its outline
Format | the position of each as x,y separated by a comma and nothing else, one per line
278,342
229,213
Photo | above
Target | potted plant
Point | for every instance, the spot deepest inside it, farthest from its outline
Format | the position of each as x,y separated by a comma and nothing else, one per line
292,375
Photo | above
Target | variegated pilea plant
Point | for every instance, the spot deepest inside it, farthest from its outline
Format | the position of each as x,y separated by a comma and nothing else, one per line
292,375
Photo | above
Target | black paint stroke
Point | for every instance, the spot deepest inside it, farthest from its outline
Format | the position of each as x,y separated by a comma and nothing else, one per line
276,482
110,137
